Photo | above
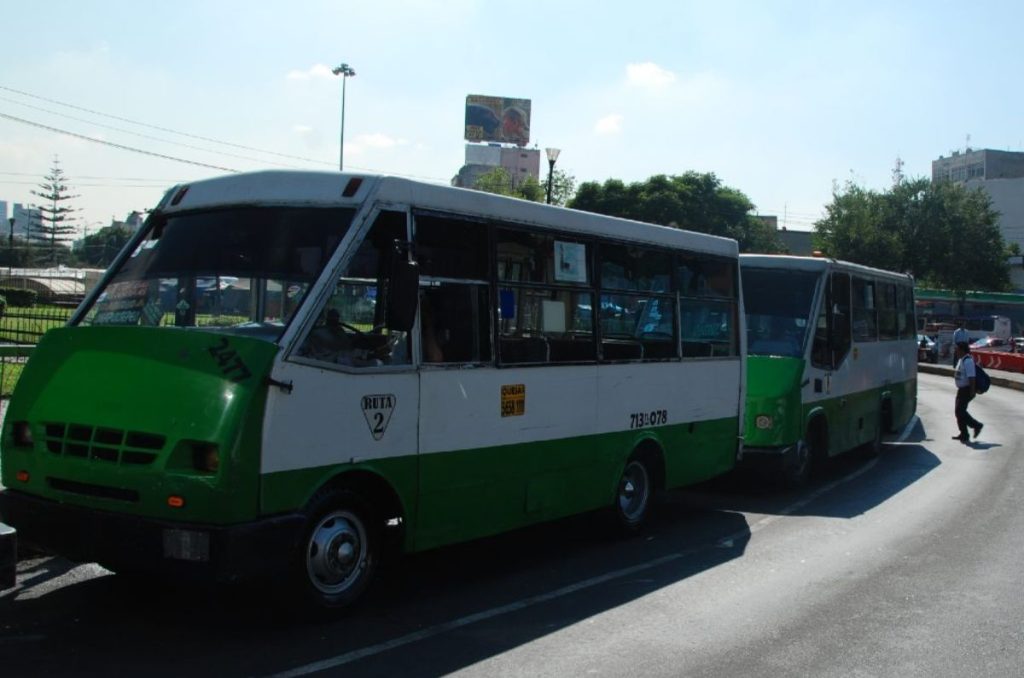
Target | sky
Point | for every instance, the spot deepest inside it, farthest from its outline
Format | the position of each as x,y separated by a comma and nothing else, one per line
783,101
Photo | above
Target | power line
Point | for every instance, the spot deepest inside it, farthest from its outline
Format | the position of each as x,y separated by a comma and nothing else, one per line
162,129
112,144
194,136
146,136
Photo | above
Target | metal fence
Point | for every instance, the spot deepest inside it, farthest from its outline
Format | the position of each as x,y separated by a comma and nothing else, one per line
21,328
20,325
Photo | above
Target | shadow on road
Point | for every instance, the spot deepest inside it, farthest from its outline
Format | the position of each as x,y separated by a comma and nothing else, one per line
844,486
500,593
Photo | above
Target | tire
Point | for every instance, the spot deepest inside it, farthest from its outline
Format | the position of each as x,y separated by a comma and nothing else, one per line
794,474
634,498
339,551
874,447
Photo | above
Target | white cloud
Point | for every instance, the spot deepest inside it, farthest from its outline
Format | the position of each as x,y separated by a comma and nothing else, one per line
649,75
302,129
609,125
379,140
316,71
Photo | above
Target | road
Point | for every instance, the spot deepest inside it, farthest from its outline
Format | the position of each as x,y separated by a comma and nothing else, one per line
907,565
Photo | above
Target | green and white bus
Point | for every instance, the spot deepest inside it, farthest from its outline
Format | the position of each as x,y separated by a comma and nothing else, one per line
831,363
286,373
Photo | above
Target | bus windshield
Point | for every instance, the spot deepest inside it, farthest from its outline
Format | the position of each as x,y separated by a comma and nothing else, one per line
240,270
776,303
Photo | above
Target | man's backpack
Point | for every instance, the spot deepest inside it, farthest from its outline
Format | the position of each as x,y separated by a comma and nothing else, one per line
981,380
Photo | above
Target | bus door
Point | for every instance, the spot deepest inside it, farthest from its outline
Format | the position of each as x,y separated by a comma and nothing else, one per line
348,396
830,374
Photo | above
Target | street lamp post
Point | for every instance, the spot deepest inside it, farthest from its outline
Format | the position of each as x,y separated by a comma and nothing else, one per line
10,249
346,72
552,154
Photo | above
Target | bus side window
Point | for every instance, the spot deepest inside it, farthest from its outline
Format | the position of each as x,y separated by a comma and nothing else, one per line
350,330
455,324
839,332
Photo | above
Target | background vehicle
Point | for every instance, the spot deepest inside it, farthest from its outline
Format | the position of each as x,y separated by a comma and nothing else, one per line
300,370
992,344
831,360
927,349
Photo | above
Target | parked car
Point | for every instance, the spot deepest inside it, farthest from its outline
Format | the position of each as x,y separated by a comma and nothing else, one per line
992,344
927,349
1018,345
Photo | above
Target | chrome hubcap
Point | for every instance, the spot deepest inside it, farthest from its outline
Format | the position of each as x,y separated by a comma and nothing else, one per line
336,552
634,490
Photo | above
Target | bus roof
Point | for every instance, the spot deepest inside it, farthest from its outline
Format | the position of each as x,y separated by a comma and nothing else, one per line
323,189
816,264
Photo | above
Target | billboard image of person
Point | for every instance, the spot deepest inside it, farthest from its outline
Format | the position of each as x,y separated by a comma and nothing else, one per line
497,119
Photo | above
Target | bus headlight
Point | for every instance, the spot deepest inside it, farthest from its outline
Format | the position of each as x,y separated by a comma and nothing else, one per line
22,434
763,422
205,457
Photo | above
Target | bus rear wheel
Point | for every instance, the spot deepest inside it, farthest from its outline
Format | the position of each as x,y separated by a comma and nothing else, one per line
339,550
874,446
635,494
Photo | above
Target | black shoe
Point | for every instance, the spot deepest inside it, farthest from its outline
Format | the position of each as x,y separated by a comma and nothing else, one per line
962,438
977,430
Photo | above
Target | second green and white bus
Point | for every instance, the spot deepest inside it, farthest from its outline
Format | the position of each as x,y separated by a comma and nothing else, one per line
831,364
285,373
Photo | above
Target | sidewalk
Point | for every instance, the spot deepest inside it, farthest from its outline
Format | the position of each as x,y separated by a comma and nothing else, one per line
1002,378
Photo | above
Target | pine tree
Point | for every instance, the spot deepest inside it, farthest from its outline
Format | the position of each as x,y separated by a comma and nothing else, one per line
56,226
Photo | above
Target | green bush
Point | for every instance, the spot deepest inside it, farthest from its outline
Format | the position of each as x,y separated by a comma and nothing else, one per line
18,297
3,306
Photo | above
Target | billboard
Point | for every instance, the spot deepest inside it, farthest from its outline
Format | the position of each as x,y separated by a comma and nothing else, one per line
497,119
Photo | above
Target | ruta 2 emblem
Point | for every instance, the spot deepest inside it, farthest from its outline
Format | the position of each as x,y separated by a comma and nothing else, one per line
377,409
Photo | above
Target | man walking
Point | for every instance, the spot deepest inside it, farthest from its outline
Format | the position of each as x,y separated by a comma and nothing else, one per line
964,376
960,336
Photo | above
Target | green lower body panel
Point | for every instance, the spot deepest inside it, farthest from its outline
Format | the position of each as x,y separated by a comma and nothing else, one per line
450,497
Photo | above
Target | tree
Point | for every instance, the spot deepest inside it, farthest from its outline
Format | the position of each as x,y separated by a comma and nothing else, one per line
499,181
56,225
16,252
693,201
563,187
100,248
943,233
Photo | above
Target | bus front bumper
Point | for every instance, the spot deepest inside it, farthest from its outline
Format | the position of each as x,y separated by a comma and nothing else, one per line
241,552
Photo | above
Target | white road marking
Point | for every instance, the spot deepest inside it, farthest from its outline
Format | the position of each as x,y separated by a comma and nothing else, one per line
725,542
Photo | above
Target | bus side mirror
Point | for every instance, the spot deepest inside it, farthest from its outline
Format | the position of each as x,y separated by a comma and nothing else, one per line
403,295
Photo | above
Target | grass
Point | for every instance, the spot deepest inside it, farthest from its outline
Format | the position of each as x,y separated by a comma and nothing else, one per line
10,372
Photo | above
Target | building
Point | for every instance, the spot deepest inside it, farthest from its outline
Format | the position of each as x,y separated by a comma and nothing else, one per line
797,243
998,173
25,216
520,163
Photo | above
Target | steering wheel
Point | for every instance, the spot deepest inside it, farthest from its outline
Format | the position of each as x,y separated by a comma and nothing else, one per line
352,328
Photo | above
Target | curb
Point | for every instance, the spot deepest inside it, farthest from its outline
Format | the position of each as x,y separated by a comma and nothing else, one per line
996,379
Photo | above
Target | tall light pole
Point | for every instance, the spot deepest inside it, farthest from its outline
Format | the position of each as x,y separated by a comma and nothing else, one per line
346,72
10,249
552,154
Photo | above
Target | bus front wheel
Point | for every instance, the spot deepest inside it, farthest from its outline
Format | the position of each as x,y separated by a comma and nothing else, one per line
339,550
797,469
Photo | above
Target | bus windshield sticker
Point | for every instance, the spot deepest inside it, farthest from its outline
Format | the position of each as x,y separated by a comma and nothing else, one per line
377,409
513,400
